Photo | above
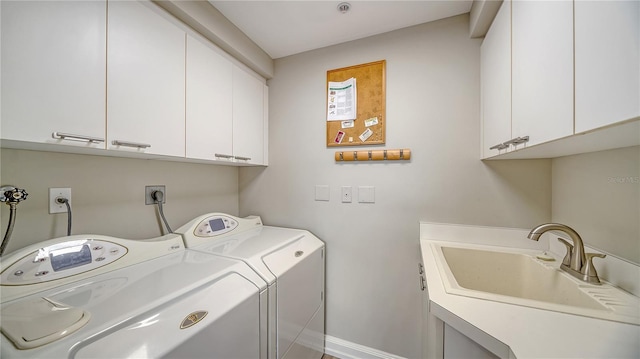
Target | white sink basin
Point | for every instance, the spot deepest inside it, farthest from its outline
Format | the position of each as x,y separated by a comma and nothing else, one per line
517,277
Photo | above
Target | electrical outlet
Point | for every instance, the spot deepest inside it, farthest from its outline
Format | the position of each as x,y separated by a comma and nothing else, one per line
148,191
54,195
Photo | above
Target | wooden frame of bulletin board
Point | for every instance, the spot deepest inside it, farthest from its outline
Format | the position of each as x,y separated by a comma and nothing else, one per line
371,105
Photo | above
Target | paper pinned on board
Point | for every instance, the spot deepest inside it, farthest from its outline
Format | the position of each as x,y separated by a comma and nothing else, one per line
371,122
342,100
348,124
365,135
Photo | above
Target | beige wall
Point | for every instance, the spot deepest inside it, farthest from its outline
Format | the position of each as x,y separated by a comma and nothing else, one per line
433,108
108,194
598,194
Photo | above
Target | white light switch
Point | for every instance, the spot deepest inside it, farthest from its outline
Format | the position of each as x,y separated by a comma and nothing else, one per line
366,194
322,192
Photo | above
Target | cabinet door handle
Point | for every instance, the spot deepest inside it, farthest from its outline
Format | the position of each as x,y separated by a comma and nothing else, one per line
64,136
420,268
130,144
422,286
242,158
517,141
499,146
222,155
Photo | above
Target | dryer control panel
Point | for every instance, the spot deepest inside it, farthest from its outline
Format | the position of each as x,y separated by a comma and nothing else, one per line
62,260
215,225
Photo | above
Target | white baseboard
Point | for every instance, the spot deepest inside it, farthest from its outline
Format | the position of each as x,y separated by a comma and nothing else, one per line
343,349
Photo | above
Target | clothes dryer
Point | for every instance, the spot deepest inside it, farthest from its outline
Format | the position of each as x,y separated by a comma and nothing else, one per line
91,296
291,261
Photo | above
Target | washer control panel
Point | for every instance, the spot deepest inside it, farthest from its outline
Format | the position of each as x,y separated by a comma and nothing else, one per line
62,260
215,225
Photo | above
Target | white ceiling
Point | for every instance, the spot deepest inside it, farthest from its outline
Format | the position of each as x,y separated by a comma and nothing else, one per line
283,28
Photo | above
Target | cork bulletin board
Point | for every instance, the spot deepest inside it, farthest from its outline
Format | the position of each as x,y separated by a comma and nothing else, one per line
371,103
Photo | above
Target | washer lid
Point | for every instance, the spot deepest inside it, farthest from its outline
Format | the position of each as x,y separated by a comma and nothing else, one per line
123,297
30,324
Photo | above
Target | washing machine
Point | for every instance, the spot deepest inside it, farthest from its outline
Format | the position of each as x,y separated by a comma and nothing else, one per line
291,261
93,296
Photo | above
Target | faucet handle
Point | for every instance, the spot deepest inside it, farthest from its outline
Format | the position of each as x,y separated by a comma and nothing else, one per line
567,257
589,270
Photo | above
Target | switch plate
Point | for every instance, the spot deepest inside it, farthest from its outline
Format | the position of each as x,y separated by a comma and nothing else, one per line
346,194
322,193
366,194
54,206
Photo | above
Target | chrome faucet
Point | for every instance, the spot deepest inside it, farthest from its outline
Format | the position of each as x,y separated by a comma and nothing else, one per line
576,262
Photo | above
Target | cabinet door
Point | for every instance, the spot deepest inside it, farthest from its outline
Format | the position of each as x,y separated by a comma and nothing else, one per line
542,63
53,70
495,57
145,79
457,345
607,62
209,128
248,117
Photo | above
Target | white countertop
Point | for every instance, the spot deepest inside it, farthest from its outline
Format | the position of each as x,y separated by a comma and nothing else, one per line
507,329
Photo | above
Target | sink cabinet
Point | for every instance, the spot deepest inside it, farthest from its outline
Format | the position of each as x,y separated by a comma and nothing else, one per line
509,330
53,71
440,340
457,345
432,327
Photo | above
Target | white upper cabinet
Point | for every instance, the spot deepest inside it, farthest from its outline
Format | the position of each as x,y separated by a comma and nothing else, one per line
209,126
127,77
249,114
53,71
145,80
607,62
575,69
542,63
495,55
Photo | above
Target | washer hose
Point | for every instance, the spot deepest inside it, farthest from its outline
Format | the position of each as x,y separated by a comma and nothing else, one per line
11,196
12,221
66,202
158,196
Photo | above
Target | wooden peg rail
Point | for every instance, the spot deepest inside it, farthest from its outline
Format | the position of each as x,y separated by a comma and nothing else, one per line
374,155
